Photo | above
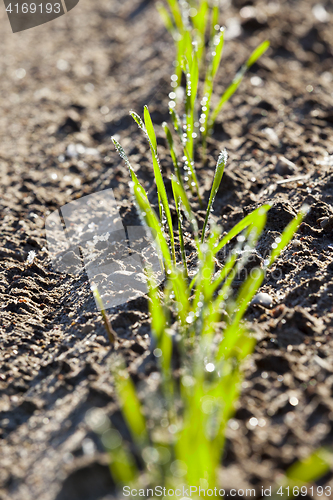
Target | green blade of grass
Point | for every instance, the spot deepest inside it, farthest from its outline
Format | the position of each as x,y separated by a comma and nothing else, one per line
124,157
217,49
193,175
216,54
180,227
287,234
258,52
215,17
177,16
155,308
158,177
172,151
130,404
148,129
165,16
310,469
220,165
181,195
151,220
244,223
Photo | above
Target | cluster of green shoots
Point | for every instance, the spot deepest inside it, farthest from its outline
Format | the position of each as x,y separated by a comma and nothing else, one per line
198,336
206,332
194,26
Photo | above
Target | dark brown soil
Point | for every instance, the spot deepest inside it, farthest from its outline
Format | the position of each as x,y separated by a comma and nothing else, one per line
55,357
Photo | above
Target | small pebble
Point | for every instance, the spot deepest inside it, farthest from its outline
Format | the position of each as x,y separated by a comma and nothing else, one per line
87,329
263,299
326,223
285,166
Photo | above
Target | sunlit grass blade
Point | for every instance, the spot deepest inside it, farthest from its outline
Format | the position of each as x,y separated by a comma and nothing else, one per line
122,464
258,52
217,49
244,223
150,218
177,16
287,234
180,226
124,157
304,473
158,178
172,151
222,275
215,17
180,194
141,125
311,468
200,21
130,404
192,175
165,16
220,165
148,129
177,125
216,54
158,318
138,121
247,292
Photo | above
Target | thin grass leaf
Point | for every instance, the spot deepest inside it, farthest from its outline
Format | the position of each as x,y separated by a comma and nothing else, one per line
193,175
177,16
219,170
138,120
130,405
306,472
150,129
222,275
217,53
244,223
151,220
158,177
180,227
290,230
145,209
172,151
158,318
177,125
181,195
200,22
122,464
124,157
258,52
215,17
165,16
310,469
217,49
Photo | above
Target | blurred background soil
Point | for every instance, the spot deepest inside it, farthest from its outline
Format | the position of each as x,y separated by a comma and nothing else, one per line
65,88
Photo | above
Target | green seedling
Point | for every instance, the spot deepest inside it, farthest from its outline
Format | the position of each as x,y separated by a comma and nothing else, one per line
194,26
299,480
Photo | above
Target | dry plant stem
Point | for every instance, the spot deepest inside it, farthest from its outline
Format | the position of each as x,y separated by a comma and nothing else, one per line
109,330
